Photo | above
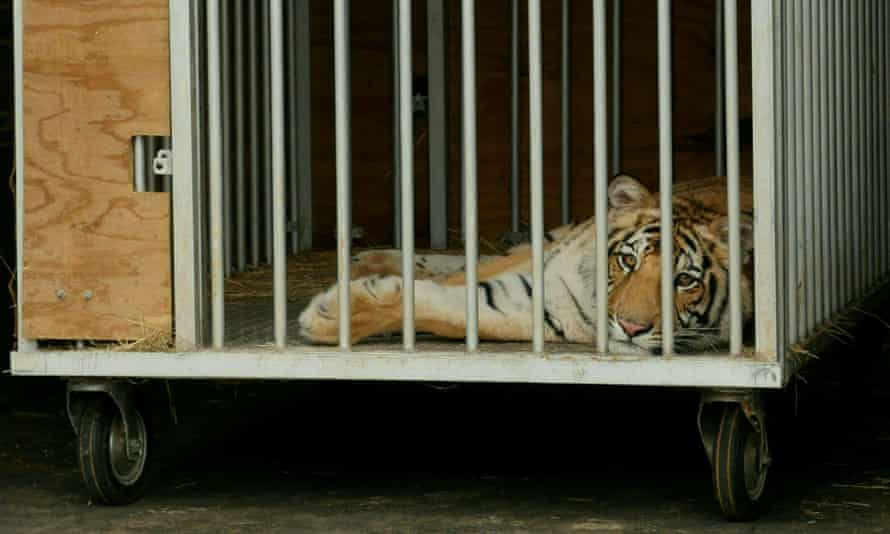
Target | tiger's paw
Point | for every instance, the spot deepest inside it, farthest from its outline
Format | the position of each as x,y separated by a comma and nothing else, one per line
375,308
377,262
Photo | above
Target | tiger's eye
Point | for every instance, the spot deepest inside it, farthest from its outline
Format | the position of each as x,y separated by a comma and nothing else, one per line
628,261
685,280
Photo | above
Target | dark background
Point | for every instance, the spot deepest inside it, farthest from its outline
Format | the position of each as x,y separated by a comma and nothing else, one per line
7,204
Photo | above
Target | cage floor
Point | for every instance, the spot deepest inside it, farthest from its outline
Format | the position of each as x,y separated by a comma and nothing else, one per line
249,310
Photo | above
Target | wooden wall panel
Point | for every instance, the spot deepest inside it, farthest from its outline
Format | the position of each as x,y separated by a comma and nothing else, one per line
96,73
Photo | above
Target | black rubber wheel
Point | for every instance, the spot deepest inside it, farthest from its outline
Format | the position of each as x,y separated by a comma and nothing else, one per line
111,476
739,468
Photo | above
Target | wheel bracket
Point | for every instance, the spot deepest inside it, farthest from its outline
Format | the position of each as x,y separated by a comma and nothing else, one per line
709,411
121,392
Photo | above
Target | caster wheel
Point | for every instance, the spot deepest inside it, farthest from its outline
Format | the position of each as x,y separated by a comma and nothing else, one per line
111,475
739,465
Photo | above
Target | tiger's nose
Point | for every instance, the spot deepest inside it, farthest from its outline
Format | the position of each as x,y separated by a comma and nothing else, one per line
632,328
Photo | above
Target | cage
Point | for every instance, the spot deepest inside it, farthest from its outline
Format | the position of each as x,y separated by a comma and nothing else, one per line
203,183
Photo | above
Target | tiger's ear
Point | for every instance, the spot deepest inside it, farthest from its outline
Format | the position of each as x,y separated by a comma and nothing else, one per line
720,228
625,191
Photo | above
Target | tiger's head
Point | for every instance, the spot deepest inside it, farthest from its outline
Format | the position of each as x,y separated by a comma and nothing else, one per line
701,275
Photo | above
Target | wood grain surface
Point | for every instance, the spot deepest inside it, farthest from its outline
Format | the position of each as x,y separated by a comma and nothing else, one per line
95,74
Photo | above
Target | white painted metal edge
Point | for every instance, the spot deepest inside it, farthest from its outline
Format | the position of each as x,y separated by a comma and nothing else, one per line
767,253
18,39
329,364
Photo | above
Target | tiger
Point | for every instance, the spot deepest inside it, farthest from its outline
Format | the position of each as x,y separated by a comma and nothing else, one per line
701,280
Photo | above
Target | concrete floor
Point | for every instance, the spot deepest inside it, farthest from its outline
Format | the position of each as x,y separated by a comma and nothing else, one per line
359,457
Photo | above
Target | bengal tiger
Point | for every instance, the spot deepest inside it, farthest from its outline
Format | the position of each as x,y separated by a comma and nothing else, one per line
701,262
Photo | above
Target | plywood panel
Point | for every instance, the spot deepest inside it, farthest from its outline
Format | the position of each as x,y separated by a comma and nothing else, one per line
95,74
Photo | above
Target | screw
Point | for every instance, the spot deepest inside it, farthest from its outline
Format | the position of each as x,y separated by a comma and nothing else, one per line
88,294
60,294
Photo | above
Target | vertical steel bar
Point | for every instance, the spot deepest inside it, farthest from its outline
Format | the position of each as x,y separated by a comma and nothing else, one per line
342,125
514,116
833,174
873,118
868,153
240,140
600,142
810,154
188,271
536,169
468,64
23,343
225,21
303,67
666,171
406,128
139,164
884,149
820,155
800,156
615,160
856,55
437,105
268,236
730,27
396,135
566,113
767,119
215,155
437,46
847,190
293,132
790,207
254,113
278,179
719,113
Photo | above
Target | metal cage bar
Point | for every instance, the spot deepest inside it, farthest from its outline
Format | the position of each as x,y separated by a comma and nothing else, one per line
536,169
342,125
768,69
139,165
730,26
666,174
600,169
470,213
808,189
225,44
406,131
819,131
279,170
215,155
790,160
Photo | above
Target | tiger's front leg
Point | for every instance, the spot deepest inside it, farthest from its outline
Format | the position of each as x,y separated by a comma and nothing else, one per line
376,308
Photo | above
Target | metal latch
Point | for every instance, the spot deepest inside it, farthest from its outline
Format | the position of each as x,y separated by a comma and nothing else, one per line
163,162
